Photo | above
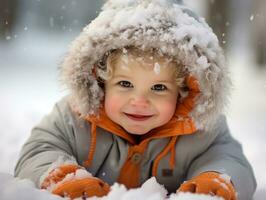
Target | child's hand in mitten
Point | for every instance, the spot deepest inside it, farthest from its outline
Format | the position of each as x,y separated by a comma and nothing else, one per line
86,187
74,186
210,183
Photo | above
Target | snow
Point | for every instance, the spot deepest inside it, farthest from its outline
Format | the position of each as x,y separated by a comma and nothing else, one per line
157,68
78,175
226,178
145,15
251,18
13,189
203,62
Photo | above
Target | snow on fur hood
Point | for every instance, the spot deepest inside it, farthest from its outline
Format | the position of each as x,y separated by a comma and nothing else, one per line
159,24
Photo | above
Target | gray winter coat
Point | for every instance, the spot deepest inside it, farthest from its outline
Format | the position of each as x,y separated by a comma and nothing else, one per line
63,134
176,31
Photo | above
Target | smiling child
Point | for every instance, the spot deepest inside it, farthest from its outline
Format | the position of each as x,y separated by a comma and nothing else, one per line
148,86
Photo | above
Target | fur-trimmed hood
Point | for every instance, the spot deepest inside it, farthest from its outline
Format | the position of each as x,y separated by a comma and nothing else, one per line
159,24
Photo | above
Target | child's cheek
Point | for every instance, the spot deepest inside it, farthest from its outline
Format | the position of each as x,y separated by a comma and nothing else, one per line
167,110
112,104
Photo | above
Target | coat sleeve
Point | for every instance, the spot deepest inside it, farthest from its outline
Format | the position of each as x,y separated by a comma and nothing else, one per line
51,140
225,155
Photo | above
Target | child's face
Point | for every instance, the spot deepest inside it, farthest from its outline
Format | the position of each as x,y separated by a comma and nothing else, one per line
141,95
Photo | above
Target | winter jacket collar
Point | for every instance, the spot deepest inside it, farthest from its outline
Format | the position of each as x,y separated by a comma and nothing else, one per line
173,128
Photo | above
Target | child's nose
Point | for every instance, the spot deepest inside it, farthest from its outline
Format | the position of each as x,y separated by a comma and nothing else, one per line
139,101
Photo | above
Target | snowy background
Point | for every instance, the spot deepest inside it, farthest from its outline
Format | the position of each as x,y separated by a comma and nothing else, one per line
29,57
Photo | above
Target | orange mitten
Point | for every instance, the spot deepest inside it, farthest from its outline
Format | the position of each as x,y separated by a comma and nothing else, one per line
86,187
58,174
74,188
210,183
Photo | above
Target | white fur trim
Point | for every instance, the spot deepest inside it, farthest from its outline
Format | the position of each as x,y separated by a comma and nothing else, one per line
161,24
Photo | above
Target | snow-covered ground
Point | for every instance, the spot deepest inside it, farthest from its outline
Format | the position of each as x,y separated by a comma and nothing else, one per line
150,190
29,88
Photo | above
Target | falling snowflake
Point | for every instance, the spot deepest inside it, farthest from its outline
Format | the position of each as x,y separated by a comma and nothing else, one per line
157,68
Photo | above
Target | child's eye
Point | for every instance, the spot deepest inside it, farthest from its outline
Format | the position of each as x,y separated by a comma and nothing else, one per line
125,84
159,87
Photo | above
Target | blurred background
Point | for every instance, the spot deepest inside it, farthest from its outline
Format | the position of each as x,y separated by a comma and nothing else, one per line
35,35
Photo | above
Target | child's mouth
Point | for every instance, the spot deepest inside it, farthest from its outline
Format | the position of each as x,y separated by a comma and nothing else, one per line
138,117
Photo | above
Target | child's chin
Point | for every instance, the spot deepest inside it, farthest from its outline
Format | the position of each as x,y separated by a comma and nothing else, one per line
136,131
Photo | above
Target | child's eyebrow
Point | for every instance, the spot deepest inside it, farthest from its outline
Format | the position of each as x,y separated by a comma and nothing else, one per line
121,76
163,81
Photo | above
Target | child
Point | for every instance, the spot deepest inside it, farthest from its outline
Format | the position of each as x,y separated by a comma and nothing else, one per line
147,87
